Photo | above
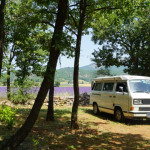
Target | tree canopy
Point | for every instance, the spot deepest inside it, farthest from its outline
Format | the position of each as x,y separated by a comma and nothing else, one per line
124,40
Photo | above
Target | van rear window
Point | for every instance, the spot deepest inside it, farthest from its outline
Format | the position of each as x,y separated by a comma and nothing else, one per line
108,86
97,87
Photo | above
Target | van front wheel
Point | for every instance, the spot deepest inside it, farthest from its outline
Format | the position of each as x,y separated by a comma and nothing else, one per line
95,109
118,114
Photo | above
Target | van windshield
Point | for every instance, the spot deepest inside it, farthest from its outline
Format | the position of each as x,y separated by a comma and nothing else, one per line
140,86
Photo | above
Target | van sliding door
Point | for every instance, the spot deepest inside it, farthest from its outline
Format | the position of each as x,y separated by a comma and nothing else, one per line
107,97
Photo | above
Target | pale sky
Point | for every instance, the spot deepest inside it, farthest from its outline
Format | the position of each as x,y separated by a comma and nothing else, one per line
87,47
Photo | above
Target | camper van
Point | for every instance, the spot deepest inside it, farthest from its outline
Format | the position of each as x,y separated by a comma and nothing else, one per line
124,96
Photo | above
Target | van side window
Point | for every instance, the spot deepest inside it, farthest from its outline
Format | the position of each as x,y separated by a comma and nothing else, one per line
108,86
122,85
97,87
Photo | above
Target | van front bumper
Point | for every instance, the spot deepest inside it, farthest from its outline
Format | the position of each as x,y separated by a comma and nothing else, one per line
134,115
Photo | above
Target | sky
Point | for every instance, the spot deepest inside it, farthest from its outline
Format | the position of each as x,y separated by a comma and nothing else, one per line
87,47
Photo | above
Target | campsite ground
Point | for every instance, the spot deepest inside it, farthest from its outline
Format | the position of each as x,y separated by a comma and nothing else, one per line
96,132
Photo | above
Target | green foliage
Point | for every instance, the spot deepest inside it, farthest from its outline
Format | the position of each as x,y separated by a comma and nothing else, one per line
29,28
57,84
22,95
103,72
35,143
71,147
27,39
123,36
7,115
19,97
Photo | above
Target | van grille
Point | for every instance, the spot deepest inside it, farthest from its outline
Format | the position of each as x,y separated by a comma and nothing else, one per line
144,108
146,101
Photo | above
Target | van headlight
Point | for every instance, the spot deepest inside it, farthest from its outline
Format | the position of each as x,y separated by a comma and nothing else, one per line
137,102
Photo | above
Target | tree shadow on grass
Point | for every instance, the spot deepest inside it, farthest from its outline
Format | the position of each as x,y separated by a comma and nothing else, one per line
91,140
57,135
41,125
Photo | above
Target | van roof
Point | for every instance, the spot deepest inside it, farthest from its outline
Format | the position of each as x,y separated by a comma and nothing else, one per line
121,77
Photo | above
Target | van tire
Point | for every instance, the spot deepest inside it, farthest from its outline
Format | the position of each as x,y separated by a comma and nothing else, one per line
118,114
95,109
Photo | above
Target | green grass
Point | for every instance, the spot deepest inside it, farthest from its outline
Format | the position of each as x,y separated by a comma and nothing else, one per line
95,132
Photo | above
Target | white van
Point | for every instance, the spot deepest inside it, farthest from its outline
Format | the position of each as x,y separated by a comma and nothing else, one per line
123,96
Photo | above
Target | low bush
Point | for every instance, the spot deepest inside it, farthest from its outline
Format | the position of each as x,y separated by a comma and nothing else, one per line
21,95
7,115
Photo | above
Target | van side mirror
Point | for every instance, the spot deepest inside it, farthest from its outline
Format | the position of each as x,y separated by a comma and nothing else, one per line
120,88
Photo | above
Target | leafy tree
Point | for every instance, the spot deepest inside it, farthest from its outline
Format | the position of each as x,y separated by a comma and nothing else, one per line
2,32
103,72
83,11
22,133
81,18
57,84
23,34
80,26
26,30
64,45
125,42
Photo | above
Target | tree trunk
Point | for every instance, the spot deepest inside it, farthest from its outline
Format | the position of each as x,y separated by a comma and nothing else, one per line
11,57
2,33
74,116
8,81
50,111
22,133
53,64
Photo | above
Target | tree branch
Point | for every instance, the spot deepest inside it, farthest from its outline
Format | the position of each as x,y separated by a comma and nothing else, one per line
47,22
103,8
74,20
74,5
70,30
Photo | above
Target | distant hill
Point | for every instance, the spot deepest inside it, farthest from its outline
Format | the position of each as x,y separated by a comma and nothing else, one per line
66,74
89,67
117,70
86,73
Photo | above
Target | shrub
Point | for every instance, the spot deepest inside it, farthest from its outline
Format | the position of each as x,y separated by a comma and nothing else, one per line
7,115
22,95
57,84
19,97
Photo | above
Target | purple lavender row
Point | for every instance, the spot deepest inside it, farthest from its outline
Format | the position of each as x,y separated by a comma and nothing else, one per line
57,91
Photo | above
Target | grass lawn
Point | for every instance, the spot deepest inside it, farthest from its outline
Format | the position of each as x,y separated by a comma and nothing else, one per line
96,132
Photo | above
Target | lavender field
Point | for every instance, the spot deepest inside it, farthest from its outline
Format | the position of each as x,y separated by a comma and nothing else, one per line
59,91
